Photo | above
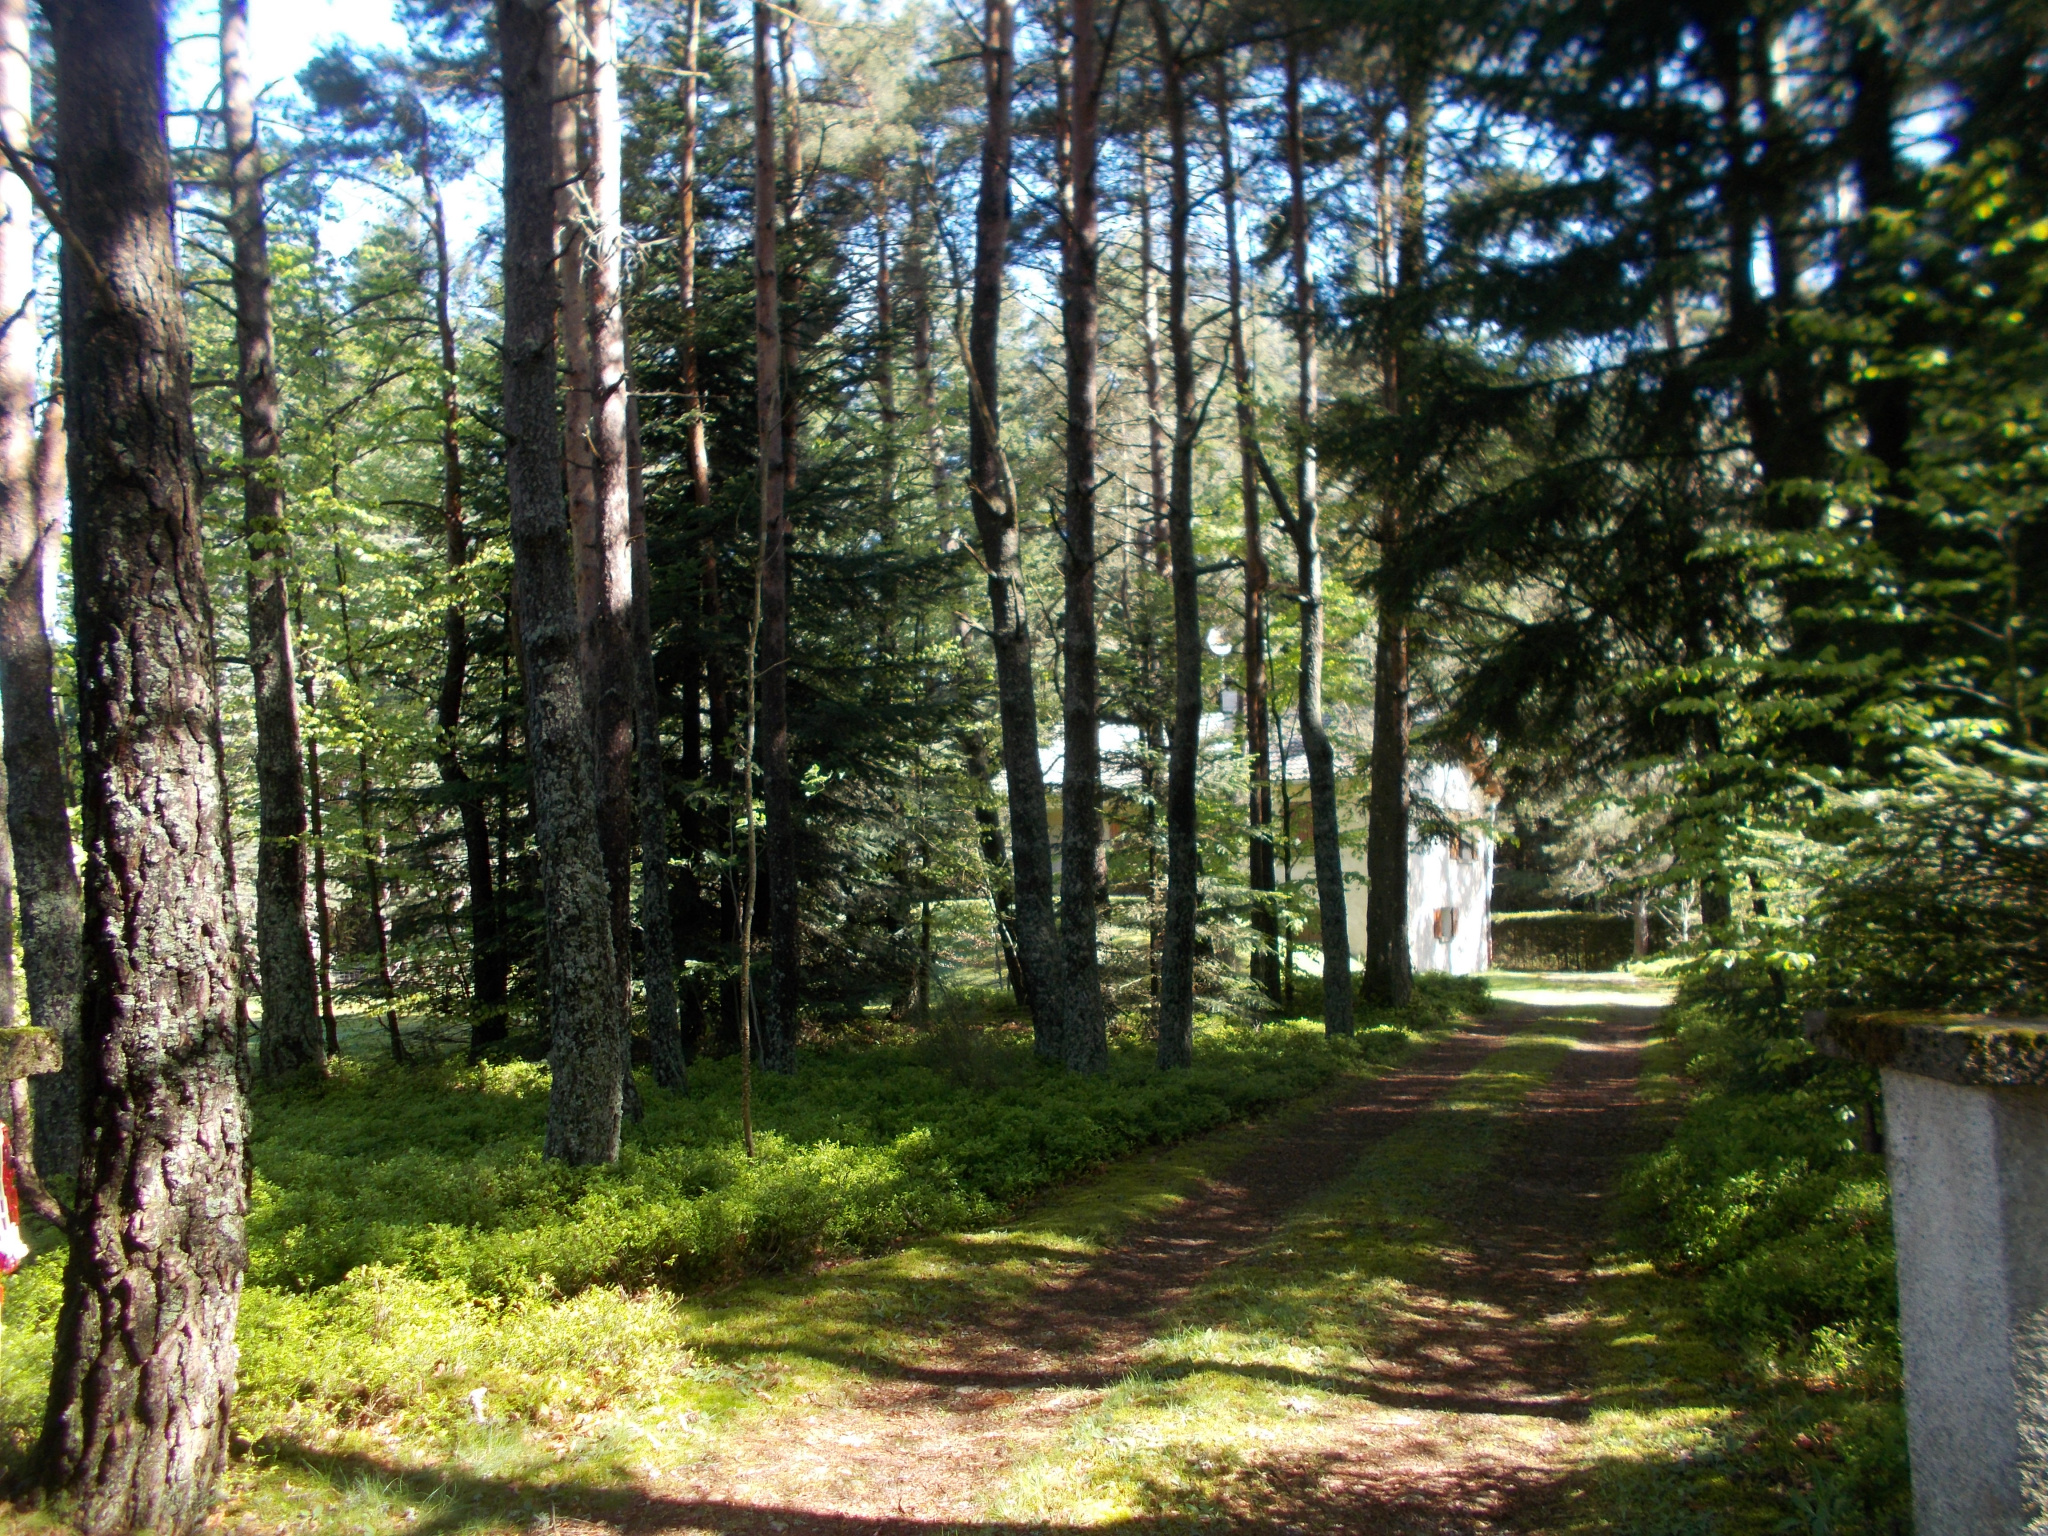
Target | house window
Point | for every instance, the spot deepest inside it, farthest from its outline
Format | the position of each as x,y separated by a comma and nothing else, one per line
1464,850
1446,922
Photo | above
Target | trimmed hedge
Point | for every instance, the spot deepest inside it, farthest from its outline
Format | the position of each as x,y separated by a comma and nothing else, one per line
1561,941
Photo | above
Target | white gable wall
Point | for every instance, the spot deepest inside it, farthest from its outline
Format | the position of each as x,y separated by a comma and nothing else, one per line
1450,886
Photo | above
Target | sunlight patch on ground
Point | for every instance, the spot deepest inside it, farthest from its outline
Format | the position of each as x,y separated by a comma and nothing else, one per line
1273,1357
1588,989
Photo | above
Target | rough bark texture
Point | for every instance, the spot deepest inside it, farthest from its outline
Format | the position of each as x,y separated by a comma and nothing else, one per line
778,1021
144,1371
1084,1035
585,1094
657,929
323,917
1183,862
1388,976
592,275
698,915
291,1036
1265,967
1151,533
996,522
489,966
1308,559
31,510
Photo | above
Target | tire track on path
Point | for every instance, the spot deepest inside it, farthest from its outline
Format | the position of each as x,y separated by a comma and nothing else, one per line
926,1442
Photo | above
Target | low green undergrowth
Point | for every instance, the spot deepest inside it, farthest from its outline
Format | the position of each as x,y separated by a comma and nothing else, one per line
425,1291
439,1175
1766,1212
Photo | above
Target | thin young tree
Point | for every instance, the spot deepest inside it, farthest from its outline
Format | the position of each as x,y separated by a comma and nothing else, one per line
489,963
1183,860
716,764
1084,1033
291,1035
994,502
586,1090
1257,578
778,1034
1303,525
31,506
658,938
143,1374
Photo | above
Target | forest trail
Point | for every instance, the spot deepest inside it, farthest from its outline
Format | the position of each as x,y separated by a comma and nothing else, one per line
1465,1411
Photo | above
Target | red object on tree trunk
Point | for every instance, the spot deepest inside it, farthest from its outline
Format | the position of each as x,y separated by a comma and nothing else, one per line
12,1249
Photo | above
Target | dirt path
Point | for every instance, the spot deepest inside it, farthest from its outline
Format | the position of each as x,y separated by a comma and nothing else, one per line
1465,1422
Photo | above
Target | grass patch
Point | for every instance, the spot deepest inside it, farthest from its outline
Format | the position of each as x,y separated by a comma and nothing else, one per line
1747,1325
1234,1385
439,1322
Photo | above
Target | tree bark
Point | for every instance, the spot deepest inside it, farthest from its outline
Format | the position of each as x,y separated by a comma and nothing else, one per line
918,279
323,918
1308,560
585,1095
31,512
1085,1033
136,1426
1183,860
716,763
657,928
1387,959
592,276
1265,968
291,1036
779,1020
996,522
1152,532
489,965
372,855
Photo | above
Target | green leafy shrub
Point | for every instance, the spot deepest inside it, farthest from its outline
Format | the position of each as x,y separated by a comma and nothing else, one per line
1561,941
437,1175
1770,1196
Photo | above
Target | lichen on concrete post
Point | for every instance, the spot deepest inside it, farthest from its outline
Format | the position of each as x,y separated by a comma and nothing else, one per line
1966,1147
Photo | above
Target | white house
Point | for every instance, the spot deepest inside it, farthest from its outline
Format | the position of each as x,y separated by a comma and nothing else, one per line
1450,883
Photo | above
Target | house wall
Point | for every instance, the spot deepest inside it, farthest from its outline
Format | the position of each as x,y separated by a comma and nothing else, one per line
1450,888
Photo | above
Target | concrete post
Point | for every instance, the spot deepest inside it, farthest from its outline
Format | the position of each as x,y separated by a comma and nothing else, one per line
1966,1146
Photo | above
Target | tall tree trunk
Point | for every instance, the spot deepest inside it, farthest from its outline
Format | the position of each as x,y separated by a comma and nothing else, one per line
1259,811
918,278
1387,957
1152,532
136,1426
489,965
657,928
31,512
291,1017
592,276
373,902
366,823
1085,1034
323,917
585,1094
789,269
1183,860
1084,1039
779,1020
717,762
996,522
988,827
1308,560
885,354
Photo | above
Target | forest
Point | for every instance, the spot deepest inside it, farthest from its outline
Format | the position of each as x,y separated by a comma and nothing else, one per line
662,665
